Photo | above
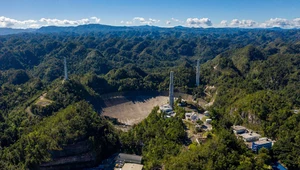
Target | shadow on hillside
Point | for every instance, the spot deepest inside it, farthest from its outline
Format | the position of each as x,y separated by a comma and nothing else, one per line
112,99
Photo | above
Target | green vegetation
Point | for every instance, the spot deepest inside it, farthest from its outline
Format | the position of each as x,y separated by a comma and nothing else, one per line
255,73
77,122
262,96
156,138
223,151
160,140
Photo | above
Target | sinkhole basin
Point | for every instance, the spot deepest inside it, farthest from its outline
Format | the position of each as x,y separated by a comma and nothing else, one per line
131,108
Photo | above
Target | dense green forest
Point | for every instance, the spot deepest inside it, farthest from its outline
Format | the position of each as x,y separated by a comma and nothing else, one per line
255,72
161,141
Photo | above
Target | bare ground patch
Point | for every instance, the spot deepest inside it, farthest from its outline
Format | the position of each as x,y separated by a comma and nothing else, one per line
42,101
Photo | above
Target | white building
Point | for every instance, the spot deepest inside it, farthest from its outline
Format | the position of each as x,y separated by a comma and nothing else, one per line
166,108
250,137
239,129
208,121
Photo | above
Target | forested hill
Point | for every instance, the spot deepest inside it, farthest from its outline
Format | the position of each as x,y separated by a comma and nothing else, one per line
250,76
108,28
41,54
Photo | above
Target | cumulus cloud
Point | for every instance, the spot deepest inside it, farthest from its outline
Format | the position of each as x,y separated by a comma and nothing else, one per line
224,23
193,22
296,22
13,23
273,22
282,22
197,22
139,19
97,20
10,23
154,20
142,20
64,22
243,23
276,22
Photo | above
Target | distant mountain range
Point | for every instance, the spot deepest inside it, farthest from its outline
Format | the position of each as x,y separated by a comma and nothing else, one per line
109,28
5,31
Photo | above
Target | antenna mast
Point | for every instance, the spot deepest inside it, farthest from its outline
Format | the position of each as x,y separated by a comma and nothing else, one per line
171,89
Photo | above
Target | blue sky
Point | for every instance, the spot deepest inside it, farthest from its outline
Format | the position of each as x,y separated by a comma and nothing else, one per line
204,13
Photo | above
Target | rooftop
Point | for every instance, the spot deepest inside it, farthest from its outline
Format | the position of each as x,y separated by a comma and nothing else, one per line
249,135
238,128
129,166
129,158
166,108
189,114
261,142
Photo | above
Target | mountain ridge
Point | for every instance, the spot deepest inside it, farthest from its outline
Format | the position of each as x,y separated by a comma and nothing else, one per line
112,28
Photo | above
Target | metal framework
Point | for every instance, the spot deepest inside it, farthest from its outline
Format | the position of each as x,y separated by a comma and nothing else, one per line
171,89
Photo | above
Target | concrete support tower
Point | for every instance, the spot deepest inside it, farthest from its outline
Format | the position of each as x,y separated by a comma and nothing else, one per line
65,68
171,89
198,73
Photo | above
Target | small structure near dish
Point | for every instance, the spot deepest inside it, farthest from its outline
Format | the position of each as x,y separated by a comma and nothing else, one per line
206,113
208,121
191,116
167,109
239,129
122,161
250,137
256,146
129,166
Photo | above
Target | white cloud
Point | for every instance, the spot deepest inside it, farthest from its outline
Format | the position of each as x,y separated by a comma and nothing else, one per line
65,22
139,19
13,23
176,20
10,23
281,22
142,20
97,20
296,22
243,23
193,22
273,22
224,23
154,20
197,22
